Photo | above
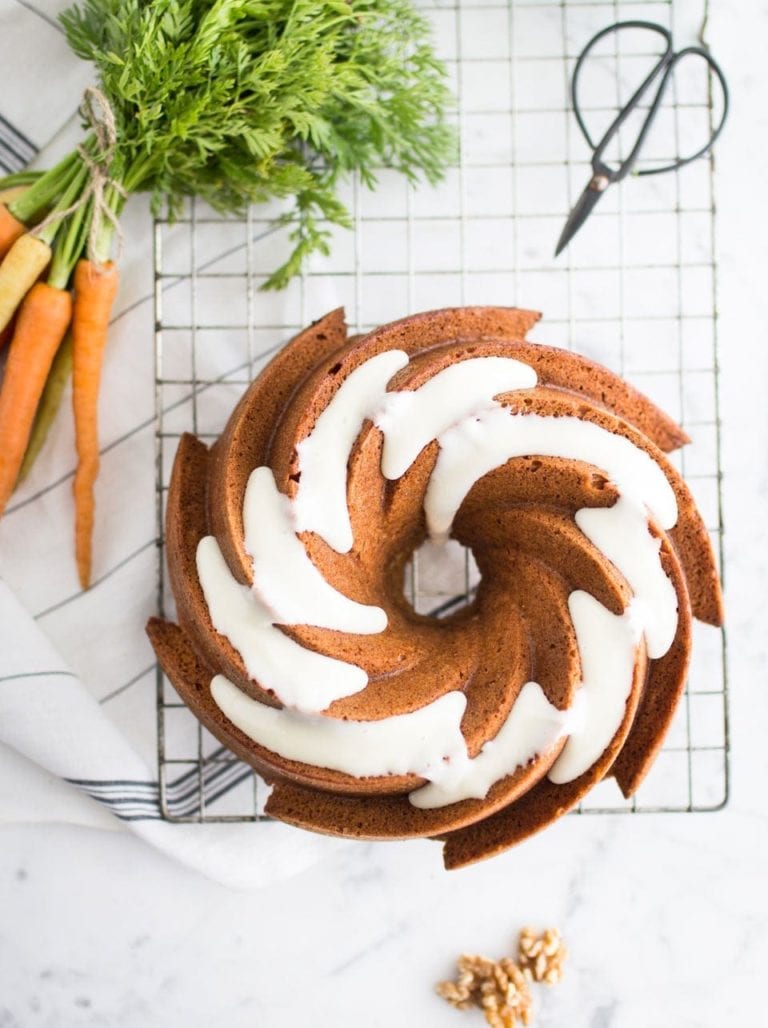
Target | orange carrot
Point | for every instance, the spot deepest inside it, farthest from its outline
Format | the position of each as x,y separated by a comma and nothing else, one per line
40,327
48,408
10,230
95,291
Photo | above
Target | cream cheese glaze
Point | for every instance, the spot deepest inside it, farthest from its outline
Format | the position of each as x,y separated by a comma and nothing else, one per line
484,441
607,647
423,742
284,577
621,533
411,419
300,677
476,434
320,504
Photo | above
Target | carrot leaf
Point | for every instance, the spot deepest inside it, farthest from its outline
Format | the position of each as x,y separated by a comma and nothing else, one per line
247,101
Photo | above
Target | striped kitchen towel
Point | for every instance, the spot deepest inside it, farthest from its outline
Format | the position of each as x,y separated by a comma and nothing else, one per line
77,675
42,81
16,151
49,717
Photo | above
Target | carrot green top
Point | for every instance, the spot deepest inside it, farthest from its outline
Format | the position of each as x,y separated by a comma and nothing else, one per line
240,102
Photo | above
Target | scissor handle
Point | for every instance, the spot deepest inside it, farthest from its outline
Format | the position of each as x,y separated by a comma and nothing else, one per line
696,51
664,66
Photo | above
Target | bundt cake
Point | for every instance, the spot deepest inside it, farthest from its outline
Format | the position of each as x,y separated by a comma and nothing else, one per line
287,542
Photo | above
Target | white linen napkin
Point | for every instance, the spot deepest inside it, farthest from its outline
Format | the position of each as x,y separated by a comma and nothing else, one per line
77,678
48,716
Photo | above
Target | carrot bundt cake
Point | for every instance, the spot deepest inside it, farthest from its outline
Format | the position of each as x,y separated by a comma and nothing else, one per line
287,542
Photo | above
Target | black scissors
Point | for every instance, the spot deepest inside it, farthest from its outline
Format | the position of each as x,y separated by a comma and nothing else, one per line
602,174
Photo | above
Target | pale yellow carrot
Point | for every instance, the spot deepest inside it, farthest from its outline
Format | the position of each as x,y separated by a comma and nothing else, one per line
21,266
12,193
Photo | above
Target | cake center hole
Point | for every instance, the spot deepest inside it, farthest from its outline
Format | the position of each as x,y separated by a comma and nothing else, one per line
440,580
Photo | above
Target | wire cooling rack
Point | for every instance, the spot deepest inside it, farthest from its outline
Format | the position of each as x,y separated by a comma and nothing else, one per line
636,290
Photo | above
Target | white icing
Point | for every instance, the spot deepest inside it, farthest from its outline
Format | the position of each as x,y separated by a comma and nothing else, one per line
532,726
428,742
299,677
320,504
621,533
607,649
423,742
476,435
488,440
284,578
410,420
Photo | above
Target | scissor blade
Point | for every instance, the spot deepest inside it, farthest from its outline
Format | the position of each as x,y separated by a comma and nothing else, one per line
584,207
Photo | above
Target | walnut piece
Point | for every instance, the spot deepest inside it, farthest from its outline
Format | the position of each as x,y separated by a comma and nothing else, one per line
500,988
541,957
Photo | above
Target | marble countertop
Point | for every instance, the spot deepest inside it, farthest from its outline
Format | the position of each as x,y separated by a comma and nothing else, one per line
665,916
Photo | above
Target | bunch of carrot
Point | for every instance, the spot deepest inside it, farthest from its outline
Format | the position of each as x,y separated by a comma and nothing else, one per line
57,288
232,101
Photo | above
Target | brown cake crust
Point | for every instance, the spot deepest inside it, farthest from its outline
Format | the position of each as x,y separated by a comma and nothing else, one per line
519,522
246,437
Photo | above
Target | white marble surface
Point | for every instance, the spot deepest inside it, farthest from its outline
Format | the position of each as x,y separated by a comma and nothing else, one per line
666,916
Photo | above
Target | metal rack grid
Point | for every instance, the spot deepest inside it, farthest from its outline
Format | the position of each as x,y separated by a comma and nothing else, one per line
636,290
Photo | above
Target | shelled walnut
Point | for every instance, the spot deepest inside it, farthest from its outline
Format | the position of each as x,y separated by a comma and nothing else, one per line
541,957
500,988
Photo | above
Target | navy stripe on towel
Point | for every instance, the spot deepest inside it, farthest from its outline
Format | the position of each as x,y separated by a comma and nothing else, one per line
16,151
137,800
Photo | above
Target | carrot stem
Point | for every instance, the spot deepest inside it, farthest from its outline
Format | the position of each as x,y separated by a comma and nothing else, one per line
40,327
69,197
95,291
20,178
115,201
46,189
69,245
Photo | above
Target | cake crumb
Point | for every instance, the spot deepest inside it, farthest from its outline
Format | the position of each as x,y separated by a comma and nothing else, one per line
500,988
541,957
